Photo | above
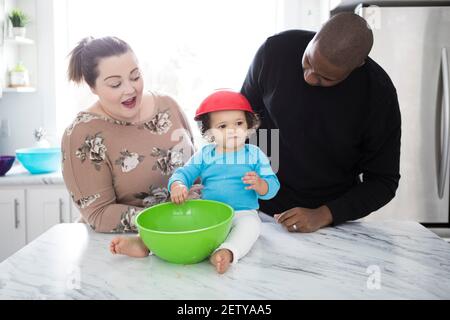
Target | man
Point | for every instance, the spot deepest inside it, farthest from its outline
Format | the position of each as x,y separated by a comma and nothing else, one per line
338,119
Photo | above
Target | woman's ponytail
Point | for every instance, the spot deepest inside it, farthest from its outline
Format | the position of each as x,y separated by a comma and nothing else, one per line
85,56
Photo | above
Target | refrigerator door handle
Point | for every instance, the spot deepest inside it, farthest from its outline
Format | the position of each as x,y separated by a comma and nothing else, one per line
446,112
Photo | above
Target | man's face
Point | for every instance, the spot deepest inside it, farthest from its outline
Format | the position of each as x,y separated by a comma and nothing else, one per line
318,71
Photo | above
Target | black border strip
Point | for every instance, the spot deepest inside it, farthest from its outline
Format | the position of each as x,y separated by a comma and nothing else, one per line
436,224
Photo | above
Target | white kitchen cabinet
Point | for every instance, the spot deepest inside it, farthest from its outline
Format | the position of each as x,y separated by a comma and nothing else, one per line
45,208
27,211
75,212
12,222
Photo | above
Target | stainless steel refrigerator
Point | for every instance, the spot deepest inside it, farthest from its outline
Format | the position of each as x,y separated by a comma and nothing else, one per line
412,43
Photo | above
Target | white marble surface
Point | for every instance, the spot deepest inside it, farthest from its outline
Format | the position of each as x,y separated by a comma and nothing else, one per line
71,262
18,175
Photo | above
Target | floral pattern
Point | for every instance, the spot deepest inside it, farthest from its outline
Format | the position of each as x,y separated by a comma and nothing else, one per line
63,158
129,160
120,122
156,195
167,160
82,117
127,223
94,148
85,201
160,123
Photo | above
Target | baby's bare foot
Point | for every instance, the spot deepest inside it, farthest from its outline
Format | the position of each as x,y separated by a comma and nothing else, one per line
130,246
221,260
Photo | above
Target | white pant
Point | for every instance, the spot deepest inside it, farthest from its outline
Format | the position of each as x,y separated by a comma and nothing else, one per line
265,217
245,230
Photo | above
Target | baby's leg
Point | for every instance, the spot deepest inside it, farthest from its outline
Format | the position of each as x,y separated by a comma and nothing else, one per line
130,246
244,233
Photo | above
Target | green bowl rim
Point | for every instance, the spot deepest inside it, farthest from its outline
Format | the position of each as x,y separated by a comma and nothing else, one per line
185,232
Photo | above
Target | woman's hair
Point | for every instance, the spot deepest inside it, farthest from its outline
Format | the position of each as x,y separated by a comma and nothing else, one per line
204,123
84,58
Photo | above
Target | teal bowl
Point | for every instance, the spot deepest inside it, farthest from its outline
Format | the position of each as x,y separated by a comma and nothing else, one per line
40,160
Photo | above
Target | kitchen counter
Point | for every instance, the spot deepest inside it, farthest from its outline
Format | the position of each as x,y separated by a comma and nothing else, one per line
18,176
357,260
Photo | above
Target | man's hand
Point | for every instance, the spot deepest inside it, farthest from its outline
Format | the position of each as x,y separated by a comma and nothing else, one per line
178,192
255,183
305,220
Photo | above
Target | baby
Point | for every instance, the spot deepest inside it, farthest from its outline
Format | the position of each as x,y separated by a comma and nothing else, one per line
231,172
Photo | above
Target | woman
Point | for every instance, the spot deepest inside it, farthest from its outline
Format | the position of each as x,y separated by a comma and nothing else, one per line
120,152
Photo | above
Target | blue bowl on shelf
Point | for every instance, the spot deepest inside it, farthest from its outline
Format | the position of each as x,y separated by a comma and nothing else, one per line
40,160
6,163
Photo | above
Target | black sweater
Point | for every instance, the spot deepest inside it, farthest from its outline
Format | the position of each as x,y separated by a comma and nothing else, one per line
338,146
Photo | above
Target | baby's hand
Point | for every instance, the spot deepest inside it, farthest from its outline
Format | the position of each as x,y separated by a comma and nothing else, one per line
195,192
255,183
178,192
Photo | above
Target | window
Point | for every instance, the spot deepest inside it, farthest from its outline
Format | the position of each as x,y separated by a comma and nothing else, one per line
185,48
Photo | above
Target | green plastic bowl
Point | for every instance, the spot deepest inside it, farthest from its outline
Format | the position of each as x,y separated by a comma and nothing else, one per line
185,233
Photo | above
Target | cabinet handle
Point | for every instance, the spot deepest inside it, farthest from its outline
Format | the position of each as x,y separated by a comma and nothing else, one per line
16,214
61,219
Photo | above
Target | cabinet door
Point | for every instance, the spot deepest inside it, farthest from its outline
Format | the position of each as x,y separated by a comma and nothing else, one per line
45,208
75,212
12,222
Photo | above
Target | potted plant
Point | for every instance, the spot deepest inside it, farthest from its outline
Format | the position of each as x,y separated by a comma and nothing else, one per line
19,76
18,20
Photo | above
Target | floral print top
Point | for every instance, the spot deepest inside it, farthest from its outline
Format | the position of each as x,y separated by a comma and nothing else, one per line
113,168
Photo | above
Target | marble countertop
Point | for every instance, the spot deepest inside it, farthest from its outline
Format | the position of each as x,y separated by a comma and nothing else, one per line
18,176
358,260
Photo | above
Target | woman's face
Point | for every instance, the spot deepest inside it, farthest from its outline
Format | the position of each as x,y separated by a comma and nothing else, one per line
119,87
229,128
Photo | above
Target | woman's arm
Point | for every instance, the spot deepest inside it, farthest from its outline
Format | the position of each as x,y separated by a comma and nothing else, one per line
87,175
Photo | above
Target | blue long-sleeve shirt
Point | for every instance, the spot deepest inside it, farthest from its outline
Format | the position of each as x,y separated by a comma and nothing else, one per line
222,173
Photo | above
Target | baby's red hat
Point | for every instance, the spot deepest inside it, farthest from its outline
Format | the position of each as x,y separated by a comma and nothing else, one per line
223,100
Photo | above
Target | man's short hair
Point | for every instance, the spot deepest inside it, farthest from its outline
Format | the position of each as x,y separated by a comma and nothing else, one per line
345,40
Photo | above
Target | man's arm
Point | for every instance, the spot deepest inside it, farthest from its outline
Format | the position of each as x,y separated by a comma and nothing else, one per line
380,168
251,88
380,165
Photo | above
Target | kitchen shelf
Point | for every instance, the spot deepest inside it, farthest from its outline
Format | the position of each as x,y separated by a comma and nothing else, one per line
18,48
19,40
19,90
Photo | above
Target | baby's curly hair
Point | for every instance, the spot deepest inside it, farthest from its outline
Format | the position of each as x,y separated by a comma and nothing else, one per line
204,124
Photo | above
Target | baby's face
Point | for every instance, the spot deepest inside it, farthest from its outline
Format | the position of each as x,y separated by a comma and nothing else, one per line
229,128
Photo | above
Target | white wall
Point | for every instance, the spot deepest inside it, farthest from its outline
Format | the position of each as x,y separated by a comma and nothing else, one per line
302,14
